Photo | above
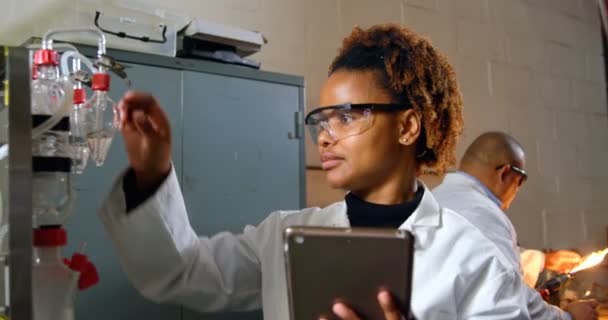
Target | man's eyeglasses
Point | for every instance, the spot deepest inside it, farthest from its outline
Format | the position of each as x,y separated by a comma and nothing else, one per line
520,171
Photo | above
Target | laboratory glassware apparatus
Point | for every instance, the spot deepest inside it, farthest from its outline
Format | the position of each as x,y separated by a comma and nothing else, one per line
54,130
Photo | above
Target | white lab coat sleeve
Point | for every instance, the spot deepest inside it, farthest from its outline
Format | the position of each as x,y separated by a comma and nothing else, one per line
495,295
506,296
168,263
539,309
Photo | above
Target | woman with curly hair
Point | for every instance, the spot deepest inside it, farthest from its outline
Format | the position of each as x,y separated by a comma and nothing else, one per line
390,109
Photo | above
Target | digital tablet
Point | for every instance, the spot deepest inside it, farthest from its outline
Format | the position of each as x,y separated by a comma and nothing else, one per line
347,264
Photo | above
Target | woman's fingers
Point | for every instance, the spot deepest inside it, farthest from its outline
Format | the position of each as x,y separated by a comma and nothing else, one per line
344,312
391,311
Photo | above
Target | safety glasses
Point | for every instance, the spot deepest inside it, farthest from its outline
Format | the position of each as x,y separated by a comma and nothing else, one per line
518,170
346,120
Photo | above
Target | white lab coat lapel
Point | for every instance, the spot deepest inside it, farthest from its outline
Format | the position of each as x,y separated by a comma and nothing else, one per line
424,220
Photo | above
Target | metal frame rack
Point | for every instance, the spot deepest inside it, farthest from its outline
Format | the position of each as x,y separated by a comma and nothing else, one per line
17,93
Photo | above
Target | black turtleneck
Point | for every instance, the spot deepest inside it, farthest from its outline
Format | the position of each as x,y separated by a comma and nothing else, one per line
365,214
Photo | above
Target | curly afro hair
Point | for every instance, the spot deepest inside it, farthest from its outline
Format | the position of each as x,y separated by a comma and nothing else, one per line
413,72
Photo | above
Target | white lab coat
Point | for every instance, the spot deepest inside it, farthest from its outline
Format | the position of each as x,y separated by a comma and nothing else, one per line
465,196
458,274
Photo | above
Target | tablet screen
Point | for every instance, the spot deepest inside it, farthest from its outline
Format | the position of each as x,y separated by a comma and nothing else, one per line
348,264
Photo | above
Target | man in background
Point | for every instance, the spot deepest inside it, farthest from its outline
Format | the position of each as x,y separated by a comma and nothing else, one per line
490,175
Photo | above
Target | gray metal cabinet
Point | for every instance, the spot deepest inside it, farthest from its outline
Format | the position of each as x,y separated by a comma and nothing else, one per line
114,297
242,164
244,159
239,153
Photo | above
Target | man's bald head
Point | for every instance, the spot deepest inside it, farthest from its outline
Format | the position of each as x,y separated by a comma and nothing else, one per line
493,149
492,158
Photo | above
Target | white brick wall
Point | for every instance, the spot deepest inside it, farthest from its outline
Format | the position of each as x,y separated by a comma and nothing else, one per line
532,68
556,92
476,40
523,50
425,4
590,97
365,13
473,75
472,10
513,84
565,60
594,64
431,23
566,228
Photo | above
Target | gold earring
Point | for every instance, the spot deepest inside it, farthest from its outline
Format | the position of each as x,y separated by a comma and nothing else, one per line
404,140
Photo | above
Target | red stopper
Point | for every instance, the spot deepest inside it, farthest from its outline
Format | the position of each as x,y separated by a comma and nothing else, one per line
46,57
80,96
101,82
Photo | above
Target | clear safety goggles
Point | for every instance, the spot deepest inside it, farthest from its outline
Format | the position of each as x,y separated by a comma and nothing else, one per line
346,120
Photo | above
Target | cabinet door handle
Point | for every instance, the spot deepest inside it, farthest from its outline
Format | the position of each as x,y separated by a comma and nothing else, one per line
298,126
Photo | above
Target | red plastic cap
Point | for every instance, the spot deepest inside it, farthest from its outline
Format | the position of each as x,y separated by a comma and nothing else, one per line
88,272
80,96
46,57
50,237
101,82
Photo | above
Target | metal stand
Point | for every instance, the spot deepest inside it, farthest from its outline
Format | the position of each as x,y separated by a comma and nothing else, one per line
20,183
